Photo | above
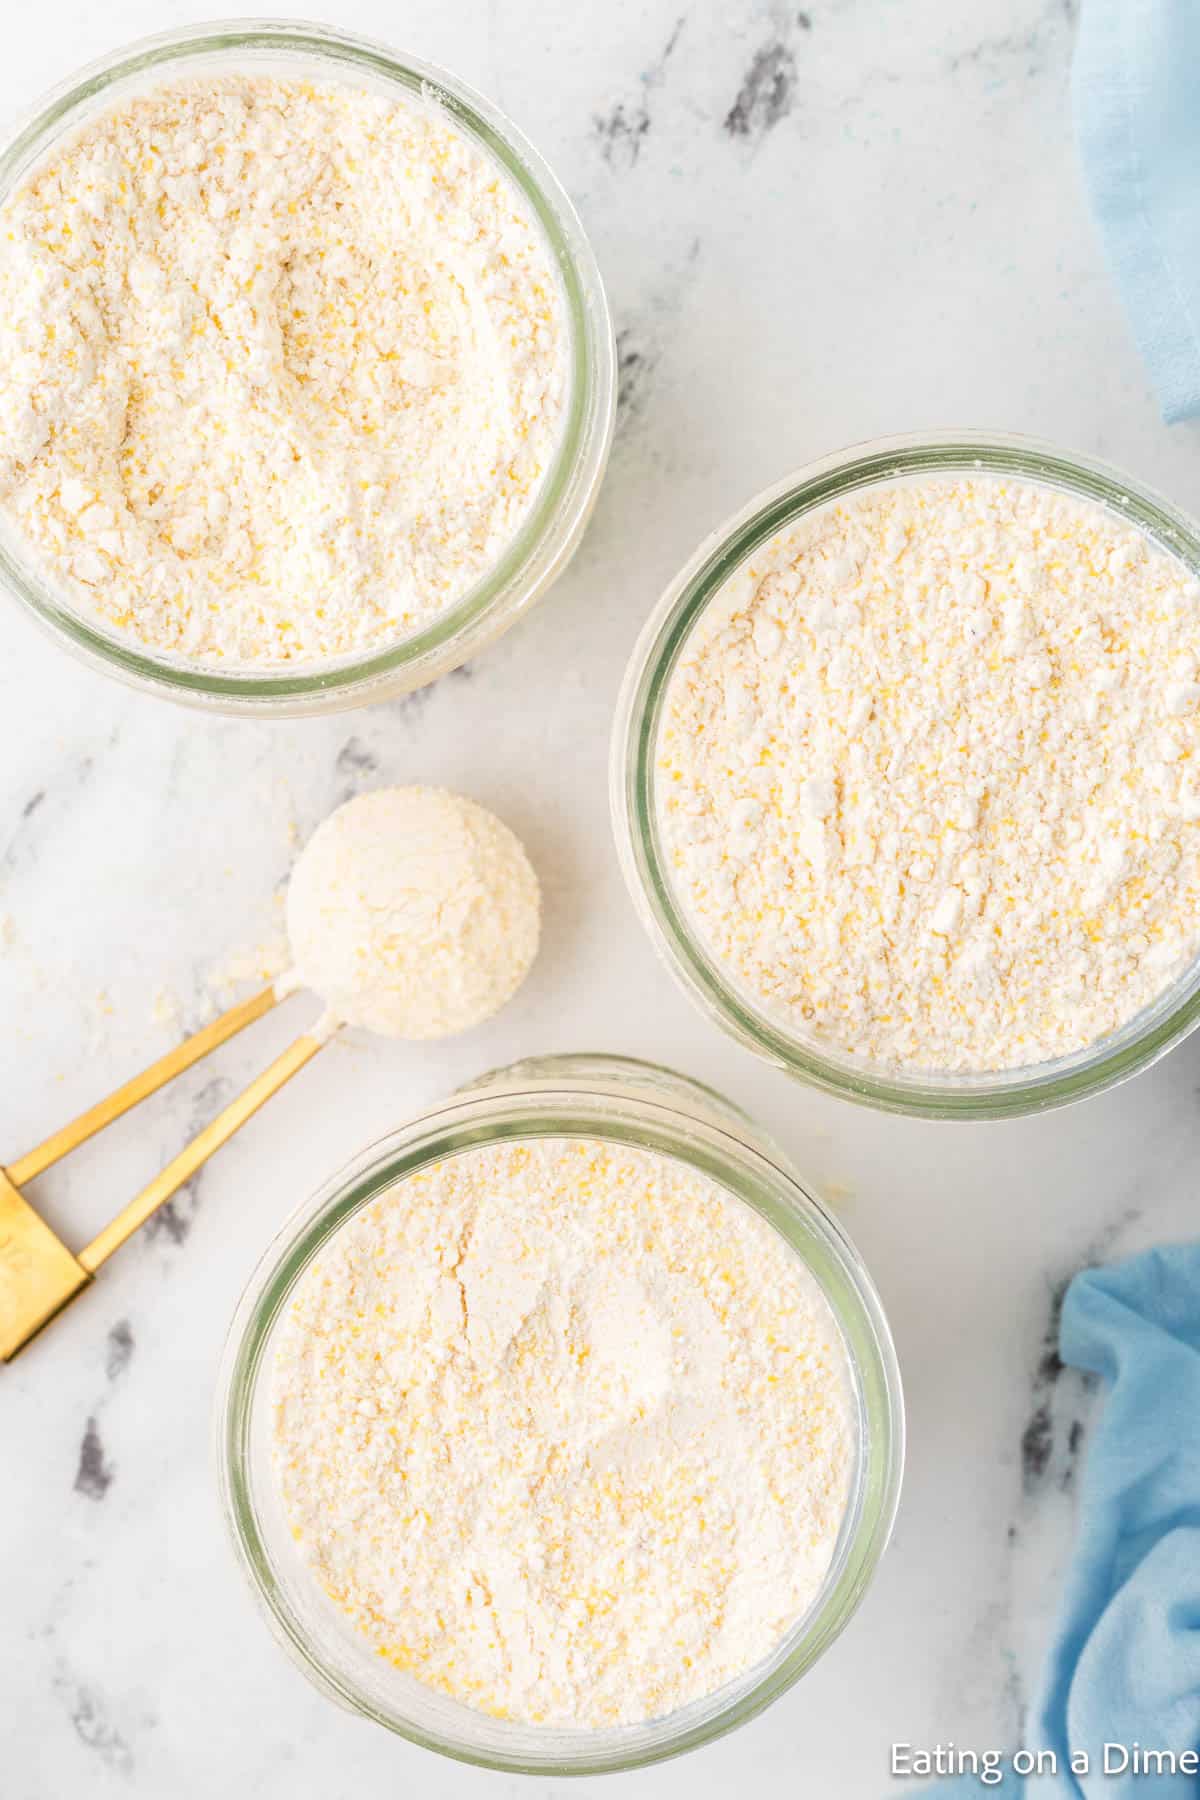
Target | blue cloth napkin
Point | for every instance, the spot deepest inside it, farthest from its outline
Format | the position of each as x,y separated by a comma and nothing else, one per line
1137,120
1125,1665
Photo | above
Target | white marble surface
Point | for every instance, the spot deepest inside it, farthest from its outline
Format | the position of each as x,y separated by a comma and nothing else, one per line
816,226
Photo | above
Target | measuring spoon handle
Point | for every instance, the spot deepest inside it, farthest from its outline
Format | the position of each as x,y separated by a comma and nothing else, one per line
181,1168
68,1137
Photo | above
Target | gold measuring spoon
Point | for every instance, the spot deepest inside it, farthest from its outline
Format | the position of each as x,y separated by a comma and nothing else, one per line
38,1273
415,912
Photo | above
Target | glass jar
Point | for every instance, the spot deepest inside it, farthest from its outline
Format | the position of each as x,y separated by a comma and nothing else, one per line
645,862
551,533
577,1096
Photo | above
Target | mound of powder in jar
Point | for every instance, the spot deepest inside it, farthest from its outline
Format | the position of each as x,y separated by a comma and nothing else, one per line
929,775
413,912
282,369
565,1429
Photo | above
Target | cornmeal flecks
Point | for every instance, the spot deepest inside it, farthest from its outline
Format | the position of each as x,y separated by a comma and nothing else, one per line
929,775
565,1429
282,370
413,912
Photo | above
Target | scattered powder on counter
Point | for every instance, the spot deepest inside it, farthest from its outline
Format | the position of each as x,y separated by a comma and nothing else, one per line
258,964
565,1429
413,912
282,369
166,1009
929,775
98,1017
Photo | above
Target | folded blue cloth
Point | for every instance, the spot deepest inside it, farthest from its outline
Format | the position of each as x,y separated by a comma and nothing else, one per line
1137,120
1125,1665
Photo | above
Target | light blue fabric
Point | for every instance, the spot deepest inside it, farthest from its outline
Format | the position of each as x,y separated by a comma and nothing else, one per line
1137,120
1125,1665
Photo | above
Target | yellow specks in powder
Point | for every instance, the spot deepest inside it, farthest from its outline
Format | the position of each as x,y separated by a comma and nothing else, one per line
594,1401
930,774
249,268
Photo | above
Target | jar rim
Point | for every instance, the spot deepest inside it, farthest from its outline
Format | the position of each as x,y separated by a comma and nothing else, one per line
645,864
550,533
566,1104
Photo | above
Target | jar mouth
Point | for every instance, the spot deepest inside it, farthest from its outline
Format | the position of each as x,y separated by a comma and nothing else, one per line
548,536
646,865
328,1649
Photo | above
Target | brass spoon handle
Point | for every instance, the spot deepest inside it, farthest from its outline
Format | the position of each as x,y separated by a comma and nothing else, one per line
182,1167
139,1087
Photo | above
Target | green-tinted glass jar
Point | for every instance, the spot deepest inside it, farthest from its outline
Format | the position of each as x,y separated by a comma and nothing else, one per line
551,533
636,819
574,1096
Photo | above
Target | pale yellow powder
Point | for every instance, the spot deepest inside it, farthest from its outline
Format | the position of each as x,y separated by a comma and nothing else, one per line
282,369
565,1429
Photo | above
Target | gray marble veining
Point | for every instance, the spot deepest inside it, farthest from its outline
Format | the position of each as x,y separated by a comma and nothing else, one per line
817,224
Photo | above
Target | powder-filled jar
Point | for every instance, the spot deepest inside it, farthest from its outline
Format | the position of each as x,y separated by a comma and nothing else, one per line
902,776
632,1114
188,529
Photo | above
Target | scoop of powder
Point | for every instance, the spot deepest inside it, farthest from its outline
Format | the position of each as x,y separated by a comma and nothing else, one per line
413,912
